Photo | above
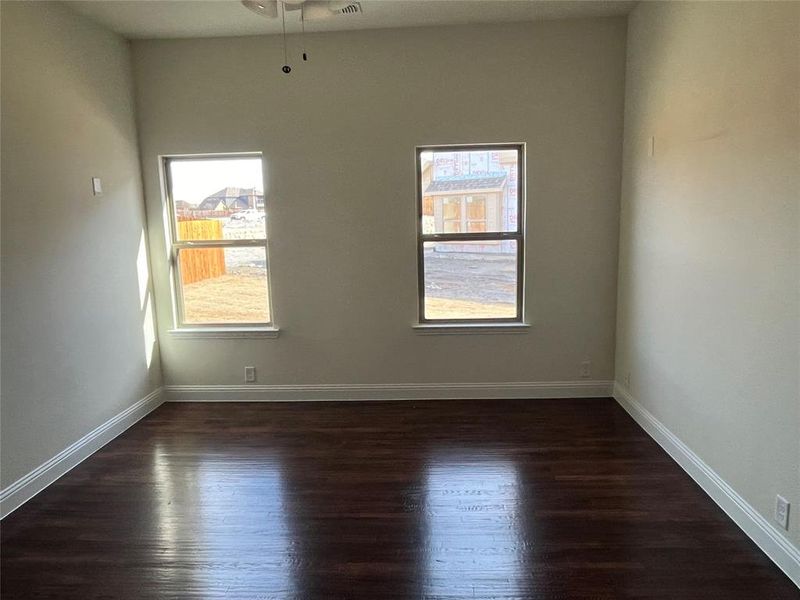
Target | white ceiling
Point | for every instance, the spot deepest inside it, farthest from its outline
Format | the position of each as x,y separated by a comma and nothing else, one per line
216,18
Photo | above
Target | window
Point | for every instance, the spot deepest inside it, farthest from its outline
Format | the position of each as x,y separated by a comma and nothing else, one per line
218,226
464,214
470,233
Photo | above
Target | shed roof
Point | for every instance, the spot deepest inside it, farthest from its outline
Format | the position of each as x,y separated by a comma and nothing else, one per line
486,181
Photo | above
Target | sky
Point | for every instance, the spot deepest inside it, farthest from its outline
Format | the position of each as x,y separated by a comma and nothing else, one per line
195,179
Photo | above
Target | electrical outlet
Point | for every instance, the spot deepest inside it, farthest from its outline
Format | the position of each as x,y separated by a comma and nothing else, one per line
627,380
782,511
586,368
249,374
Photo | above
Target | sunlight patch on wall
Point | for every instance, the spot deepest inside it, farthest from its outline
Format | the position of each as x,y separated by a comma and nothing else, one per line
148,331
142,270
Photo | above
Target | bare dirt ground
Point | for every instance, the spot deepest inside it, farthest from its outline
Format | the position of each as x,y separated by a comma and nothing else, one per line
236,297
456,287
470,286
243,299
442,308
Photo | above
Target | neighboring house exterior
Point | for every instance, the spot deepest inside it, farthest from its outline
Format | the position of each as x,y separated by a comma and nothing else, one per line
233,199
469,192
183,205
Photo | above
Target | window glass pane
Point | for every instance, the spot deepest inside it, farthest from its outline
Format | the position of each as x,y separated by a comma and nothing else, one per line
484,181
470,280
224,285
218,198
451,208
476,214
476,208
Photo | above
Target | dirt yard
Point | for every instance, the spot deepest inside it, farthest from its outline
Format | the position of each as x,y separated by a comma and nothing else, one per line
456,287
470,286
444,308
237,297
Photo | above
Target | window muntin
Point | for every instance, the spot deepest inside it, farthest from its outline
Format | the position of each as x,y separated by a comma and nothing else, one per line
470,233
219,248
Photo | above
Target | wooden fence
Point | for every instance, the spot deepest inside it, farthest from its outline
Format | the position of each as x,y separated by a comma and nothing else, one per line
198,264
194,214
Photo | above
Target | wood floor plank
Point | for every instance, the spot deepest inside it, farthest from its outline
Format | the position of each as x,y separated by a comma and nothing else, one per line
544,499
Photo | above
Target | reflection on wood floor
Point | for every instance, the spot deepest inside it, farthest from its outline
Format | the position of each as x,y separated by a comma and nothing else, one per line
437,500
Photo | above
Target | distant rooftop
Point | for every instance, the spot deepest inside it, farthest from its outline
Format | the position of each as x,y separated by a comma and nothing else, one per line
486,181
233,198
234,192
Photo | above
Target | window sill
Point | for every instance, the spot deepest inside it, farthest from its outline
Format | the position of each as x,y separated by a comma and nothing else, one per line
224,332
470,328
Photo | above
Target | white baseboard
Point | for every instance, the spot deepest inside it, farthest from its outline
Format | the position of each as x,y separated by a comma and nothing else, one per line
34,482
395,391
767,537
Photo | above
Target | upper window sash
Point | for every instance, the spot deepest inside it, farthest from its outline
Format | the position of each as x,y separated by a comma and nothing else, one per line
449,189
244,205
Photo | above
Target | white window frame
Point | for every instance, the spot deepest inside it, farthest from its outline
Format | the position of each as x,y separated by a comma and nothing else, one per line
515,324
181,328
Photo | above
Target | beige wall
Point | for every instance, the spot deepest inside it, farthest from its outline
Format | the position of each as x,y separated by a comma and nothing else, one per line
338,138
73,322
709,311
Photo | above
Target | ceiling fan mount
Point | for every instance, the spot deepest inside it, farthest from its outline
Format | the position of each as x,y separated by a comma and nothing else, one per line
311,10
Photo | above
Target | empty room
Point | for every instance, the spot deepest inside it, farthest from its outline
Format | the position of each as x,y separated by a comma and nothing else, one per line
399,299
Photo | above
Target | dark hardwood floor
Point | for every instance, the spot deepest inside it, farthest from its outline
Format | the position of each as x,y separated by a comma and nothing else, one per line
505,499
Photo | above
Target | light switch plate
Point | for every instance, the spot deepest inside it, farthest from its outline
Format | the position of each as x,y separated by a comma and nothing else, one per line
97,186
782,511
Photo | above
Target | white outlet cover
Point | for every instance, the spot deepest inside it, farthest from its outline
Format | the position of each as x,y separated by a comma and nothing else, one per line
97,186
